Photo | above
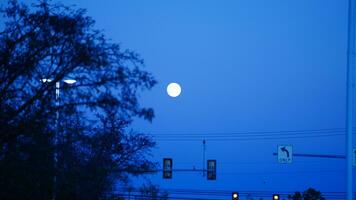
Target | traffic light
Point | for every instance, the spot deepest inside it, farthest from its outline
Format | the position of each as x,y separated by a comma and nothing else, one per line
211,170
235,196
167,168
275,197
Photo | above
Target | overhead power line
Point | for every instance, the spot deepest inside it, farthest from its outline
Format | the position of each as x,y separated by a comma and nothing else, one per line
246,138
199,193
166,133
243,136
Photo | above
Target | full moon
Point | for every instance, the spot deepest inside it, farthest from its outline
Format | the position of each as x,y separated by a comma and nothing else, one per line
174,89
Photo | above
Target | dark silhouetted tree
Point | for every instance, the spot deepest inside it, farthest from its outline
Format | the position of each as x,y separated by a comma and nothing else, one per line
309,194
96,146
150,191
296,196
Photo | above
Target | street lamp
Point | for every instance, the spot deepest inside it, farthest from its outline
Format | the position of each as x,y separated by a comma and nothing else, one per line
351,52
55,154
69,81
235,196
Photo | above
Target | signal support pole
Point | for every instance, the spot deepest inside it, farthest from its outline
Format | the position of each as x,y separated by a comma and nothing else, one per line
349,94
204,149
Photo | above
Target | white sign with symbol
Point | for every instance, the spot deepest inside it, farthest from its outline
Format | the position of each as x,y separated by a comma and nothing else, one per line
285,154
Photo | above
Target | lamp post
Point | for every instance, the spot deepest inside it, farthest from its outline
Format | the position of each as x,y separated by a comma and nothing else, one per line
55,139
351,52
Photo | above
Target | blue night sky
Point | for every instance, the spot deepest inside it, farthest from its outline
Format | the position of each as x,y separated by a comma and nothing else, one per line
244,66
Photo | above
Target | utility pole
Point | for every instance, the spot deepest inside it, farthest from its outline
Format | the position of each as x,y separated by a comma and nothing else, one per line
349,94
204,148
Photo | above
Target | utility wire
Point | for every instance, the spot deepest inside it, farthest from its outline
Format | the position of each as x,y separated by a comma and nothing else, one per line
167,133
245,138
173,193
241,136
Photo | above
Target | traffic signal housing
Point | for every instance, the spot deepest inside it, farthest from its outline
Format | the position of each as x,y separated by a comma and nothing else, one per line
211,175
235,196
167,168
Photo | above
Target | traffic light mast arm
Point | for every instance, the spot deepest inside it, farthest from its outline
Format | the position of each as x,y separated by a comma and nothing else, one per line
316,155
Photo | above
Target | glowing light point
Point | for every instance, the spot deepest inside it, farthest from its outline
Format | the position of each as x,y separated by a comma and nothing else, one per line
70,81
174,89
